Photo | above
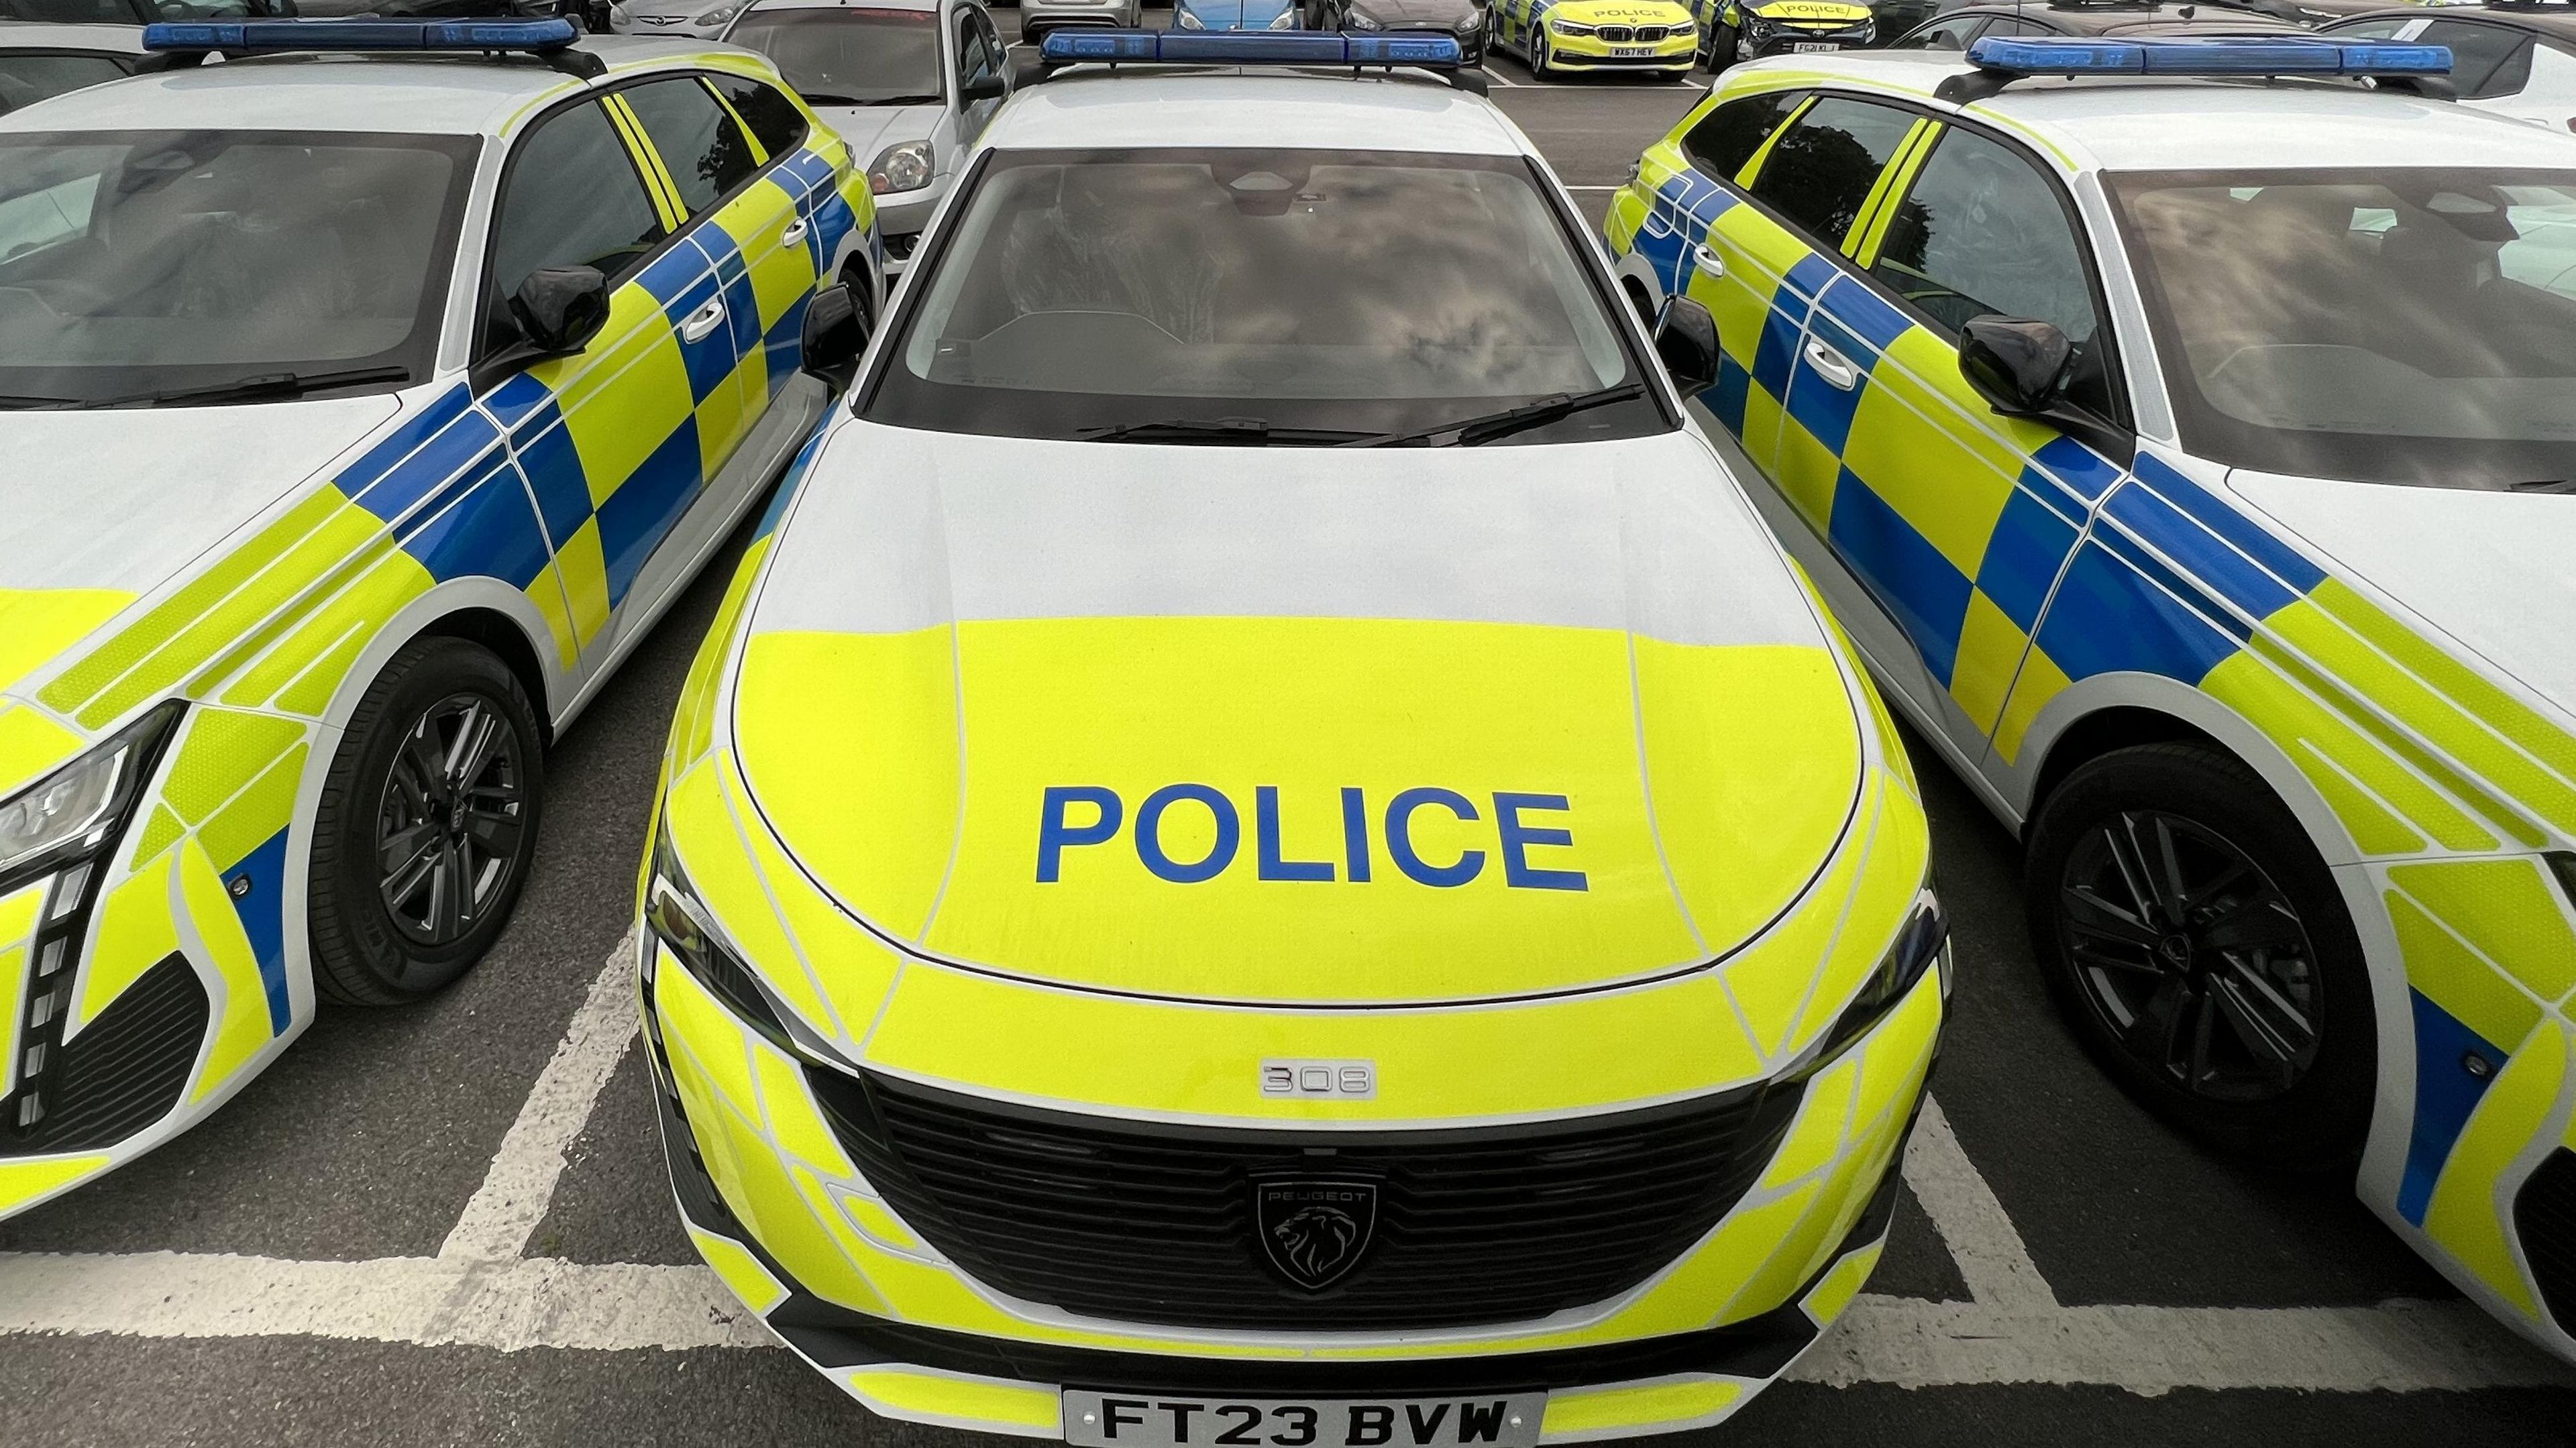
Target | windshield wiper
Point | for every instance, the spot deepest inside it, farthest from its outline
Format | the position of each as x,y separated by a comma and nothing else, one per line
271,384
1474,430
1219,431
814,99
2545,485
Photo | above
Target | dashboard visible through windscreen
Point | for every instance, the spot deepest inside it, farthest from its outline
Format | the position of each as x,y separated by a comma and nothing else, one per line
1320,291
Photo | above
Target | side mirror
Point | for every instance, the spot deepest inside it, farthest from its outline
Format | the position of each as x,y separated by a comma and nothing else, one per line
836,332
2018,366
560,308
982,88
1686,343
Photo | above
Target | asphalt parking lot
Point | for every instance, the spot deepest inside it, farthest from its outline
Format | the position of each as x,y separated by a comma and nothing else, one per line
450,1225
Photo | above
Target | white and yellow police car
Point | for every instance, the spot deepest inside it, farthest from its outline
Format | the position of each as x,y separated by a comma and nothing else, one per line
2190,459
1559,37
358,412
1269,851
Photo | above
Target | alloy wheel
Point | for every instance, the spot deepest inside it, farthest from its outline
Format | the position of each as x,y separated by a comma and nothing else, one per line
2192,956
448,826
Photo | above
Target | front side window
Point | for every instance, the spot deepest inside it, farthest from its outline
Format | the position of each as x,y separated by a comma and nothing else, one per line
1822,169
850,57
571,197
1951,34
705,152
1728,136
1338,293
1982,234
2486,60
27,77
974,61
2401,325
134,263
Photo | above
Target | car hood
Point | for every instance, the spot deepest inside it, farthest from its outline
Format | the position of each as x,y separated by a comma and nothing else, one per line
870,129
1236,14
1423,14
1227,724
1811,11
2489,569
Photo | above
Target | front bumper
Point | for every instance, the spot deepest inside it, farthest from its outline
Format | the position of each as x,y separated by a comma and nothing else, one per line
776,1205
1584,52
621,24
1785,41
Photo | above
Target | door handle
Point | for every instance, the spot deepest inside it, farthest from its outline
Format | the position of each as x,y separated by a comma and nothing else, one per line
711,316
1708,261
1832,366
794,233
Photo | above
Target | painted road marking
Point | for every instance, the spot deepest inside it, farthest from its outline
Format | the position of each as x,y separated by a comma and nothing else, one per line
481,1291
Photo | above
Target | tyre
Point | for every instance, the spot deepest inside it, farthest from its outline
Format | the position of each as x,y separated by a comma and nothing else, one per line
1541,66
1722,49
427,825
2197,945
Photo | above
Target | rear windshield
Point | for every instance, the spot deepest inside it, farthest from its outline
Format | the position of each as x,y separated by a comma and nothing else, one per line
2401,326
849,57
1362,292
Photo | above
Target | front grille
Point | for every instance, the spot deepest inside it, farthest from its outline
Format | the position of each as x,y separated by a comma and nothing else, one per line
2544,1214
1615,34
125,1070
1149,1223
1649,34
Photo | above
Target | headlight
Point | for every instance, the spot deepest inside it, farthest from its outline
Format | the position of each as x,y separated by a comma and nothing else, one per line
1357,21
1471,24
1187,21
1568,27
1287,21
904,166
674,916
1682,31
1922,942
721,13
1757,27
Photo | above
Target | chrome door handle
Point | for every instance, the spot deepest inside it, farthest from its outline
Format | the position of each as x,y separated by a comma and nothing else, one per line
711,316
794,233
1832,366
1708,261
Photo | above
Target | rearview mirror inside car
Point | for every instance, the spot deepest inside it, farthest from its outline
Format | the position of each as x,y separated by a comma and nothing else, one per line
1686,343
560,308
2017,365
836,332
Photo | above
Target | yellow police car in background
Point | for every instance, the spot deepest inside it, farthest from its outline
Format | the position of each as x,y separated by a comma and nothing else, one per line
1656,37
1162,932
1733,30
360,413
2190,461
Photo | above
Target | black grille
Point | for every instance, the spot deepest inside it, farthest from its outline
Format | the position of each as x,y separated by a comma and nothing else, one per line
2544,1213
1154,1224
1616,34
126,1069
1650,33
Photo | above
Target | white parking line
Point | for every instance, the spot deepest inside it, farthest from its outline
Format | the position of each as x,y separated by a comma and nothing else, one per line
1992,1258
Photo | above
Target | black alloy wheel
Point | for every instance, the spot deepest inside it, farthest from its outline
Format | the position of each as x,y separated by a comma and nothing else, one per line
426,827
2199,948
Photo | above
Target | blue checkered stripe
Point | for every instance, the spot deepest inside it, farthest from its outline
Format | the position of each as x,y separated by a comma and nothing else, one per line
828,219
446,486
1684,208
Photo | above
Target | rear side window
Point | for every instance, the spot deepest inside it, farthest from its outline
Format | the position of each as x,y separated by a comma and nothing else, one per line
774,120
28,77
572,199
706,153
1951,34
1821,171
1728,136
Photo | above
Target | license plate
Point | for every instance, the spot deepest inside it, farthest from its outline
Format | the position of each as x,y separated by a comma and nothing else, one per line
1625,52
1112,1420
1805,46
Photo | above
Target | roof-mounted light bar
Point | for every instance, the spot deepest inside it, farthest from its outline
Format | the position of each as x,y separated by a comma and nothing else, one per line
2001,61
550,40
1391,49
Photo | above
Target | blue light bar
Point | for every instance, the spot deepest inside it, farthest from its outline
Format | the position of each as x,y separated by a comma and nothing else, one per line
2208,56
1255,47
245,36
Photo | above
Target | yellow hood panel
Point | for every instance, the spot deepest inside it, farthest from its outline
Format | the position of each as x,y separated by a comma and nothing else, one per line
1811,10
1313,810
1620,12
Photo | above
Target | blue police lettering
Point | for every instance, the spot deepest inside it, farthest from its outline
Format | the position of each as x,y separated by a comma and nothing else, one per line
1083,816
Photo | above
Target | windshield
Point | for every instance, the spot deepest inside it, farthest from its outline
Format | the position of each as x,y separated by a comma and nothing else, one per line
1353,292
849,57
125,12
2397,326
134,262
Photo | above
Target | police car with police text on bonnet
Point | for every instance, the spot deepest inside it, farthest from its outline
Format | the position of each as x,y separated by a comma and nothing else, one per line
2190,457
1555,37
361,410
1268,850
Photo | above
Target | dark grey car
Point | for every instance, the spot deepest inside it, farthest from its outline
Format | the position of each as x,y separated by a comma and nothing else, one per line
1462,18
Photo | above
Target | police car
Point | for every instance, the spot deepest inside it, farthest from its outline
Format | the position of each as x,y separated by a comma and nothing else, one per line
2516,57
2190,460
1734,30
361,412
1558,37
1268,848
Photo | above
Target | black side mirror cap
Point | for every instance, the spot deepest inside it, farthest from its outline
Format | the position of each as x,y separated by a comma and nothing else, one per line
2017,365
982,88
836,332
560,308
1686,343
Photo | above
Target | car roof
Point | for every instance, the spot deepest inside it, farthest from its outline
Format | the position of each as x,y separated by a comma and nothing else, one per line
1220,107
413,94
2553,20
2122,124
2141,18
47,35
919,6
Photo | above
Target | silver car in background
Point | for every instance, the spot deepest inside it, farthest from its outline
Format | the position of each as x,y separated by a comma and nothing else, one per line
908,83
1037,17
701,19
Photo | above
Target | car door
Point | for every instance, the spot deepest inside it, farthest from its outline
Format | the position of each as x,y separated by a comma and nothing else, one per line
1960,523
574,193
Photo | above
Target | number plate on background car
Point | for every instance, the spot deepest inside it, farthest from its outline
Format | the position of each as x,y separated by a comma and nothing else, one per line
1804,46
1112,1420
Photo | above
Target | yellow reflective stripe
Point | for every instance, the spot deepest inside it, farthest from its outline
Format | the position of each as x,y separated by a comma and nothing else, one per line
242,1028
31,743
1834,1291
2464,1217
759,152
1870,222
17,929
36,624
1753,165
666,193
1886,199
1689,1402
2509,910
24,1182
919,1394
740,1270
